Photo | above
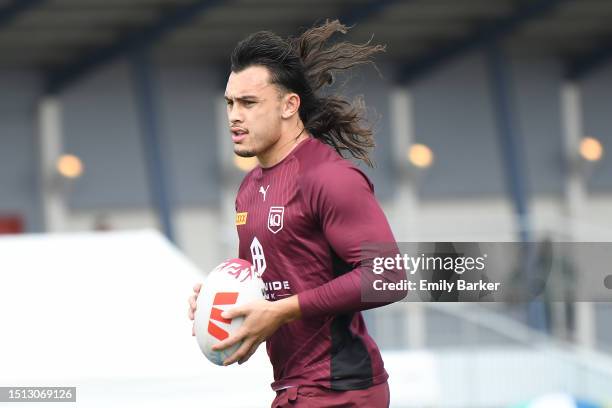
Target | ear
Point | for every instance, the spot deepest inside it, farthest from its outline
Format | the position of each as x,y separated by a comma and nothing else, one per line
291,105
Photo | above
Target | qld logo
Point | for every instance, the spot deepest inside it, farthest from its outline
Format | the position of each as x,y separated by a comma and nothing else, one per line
275,219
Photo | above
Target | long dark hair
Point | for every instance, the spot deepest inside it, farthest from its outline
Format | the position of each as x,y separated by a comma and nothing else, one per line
305,65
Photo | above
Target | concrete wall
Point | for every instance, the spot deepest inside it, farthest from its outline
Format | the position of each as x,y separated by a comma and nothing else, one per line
19,183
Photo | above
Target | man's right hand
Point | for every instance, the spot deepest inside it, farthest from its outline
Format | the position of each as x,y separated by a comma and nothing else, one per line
193,300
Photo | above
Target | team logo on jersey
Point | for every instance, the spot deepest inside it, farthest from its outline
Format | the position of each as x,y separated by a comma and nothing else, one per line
241,218
275,219
264,191
257,257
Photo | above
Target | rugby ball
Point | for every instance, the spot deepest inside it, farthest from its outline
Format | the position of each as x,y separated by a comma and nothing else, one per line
232,283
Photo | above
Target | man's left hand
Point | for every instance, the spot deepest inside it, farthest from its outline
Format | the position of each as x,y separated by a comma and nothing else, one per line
261,319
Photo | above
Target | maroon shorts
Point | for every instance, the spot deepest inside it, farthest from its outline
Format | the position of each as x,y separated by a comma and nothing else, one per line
377,396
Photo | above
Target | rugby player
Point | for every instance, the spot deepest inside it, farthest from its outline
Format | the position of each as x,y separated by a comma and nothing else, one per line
307,212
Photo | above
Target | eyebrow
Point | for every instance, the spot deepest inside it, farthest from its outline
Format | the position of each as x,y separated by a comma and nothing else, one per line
242,98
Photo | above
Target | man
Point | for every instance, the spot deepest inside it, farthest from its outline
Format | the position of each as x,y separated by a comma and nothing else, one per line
308,213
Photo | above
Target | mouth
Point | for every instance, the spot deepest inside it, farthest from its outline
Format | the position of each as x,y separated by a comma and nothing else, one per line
238,134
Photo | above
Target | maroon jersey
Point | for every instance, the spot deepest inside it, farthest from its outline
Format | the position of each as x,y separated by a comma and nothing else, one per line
302,224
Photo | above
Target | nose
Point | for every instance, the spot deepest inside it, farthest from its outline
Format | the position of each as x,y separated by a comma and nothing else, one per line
233,114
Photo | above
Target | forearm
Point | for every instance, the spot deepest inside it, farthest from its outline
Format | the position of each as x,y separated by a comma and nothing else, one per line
288,309
348,293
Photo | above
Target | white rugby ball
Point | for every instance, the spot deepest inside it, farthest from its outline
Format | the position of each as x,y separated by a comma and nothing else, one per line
232,283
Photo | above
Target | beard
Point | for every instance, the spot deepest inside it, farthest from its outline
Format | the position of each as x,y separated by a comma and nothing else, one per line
244,153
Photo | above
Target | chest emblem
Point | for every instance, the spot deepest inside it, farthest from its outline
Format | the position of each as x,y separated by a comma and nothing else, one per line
264,191
275,219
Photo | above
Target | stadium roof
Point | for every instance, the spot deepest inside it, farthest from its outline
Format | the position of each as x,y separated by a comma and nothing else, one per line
67,39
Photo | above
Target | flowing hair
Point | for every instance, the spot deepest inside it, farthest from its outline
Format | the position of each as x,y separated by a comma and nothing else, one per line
305,65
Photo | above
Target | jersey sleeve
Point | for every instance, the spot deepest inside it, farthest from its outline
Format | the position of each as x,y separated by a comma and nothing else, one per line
342,201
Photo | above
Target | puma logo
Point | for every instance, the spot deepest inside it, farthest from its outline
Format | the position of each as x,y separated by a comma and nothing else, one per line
264,191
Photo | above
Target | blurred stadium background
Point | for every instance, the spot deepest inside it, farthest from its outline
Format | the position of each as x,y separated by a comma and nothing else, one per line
493,123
